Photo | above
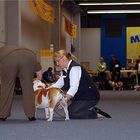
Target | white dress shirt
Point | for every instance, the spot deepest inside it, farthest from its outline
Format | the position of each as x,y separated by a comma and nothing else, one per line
75,76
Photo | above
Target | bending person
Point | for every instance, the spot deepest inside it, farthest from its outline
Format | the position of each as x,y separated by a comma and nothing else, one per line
22,63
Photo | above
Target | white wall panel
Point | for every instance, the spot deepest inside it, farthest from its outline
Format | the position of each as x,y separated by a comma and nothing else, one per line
90,46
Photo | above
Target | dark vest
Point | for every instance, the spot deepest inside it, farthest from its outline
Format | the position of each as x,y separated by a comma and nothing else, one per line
87,89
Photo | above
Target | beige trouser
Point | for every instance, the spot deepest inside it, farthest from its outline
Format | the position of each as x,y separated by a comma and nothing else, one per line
19,63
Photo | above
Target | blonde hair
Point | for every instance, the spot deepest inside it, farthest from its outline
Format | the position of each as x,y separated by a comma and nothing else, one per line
61,53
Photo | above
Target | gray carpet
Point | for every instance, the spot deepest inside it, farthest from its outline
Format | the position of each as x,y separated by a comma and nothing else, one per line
124,107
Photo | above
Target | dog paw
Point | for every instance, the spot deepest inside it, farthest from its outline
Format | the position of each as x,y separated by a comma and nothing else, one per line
67,119
49,120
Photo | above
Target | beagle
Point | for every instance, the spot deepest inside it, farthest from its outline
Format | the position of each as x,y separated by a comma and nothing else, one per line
116,85
48,98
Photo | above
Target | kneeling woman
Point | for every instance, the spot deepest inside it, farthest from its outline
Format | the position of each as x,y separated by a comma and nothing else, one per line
79,86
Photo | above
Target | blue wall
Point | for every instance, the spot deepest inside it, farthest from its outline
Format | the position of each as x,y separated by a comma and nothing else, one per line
115,44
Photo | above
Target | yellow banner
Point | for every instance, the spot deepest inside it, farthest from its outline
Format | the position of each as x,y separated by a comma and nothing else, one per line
43,10
70,28
133,42
45,52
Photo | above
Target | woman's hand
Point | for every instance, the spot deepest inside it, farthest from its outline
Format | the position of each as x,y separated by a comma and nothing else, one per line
68,97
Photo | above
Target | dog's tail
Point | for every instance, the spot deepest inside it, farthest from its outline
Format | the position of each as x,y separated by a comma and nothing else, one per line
99,111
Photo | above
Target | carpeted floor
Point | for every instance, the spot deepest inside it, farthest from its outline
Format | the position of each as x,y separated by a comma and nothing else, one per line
124,107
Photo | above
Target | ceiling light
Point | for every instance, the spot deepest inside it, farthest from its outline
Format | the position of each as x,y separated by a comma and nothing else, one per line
114,3
112,11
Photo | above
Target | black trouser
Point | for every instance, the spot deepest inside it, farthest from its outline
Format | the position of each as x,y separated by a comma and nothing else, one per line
116,76
81,109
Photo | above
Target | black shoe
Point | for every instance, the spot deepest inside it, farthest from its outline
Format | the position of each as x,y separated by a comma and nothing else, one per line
3,119
32,118
99,111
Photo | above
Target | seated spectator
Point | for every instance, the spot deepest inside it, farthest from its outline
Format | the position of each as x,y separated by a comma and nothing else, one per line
101,71
48,75
115,67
